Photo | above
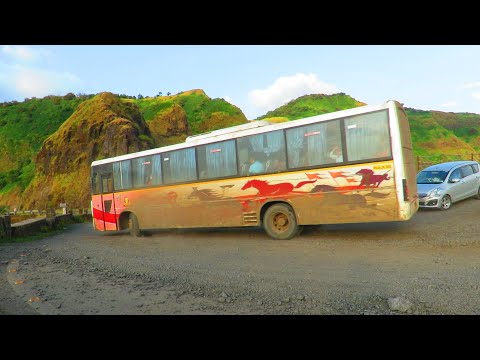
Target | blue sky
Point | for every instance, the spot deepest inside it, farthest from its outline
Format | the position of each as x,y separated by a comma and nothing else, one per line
256,78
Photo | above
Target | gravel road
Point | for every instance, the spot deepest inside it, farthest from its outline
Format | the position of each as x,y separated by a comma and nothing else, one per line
427,265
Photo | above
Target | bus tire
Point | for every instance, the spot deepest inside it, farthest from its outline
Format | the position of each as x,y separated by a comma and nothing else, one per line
280,222
133,225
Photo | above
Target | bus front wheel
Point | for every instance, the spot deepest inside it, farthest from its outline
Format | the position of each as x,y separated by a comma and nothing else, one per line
133,225
280,222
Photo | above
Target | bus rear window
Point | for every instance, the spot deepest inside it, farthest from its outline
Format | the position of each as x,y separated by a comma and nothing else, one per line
368,136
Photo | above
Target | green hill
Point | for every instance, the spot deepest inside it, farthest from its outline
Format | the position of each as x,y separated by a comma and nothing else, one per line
435,132
311,105
201,113
23,128
101,127
47,145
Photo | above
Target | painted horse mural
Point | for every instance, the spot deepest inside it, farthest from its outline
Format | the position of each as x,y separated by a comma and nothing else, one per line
369,179
266,189
205,194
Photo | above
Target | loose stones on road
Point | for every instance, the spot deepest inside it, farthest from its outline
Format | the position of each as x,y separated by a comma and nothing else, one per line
400,304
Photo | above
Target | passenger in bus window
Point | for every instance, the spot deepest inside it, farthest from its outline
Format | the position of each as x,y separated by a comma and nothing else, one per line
278,165
256,167
148,180
244,168
336,154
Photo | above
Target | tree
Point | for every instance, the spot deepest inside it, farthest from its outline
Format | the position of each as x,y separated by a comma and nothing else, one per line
168,93
159,93
140,96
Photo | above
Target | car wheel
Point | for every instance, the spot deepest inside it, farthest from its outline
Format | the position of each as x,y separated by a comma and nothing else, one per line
477,196
280,222
445,202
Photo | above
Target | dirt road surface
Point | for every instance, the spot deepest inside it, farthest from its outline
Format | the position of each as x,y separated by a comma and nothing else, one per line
427,265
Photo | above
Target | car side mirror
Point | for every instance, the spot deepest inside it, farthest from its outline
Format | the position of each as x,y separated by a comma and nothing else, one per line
455,180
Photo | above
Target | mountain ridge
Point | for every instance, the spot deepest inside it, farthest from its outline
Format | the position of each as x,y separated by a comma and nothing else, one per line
43,166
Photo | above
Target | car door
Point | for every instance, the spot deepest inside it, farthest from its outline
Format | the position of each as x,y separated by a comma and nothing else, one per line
456,189
470,180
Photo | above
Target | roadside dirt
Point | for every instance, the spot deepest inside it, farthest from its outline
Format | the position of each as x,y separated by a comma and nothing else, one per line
427,265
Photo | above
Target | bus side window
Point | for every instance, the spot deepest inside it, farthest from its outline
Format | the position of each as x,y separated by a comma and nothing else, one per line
217,160
368,136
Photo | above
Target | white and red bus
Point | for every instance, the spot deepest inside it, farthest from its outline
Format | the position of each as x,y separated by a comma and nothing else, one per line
348,166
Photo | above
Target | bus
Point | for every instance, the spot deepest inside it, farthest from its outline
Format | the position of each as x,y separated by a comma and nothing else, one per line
349,166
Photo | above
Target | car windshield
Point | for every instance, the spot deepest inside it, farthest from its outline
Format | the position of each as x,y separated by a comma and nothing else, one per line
431,177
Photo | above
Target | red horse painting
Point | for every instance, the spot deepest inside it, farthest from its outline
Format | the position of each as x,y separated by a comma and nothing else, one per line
369,179
266,189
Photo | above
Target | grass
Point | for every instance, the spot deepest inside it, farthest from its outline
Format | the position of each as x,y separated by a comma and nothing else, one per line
311,105
198,107
23,128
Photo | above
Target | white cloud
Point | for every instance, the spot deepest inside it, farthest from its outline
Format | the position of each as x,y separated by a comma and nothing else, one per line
20,82
39,83
24,72
471,85
449,104
476,95
287,88
23,53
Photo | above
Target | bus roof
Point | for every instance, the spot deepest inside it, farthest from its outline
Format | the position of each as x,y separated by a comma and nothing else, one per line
251,125
255,127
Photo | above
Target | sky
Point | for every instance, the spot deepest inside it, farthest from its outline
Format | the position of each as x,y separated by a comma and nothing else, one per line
256,78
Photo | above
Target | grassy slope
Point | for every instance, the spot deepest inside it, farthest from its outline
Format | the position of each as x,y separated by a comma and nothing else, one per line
203,113
23,128
433,132
103,126
437,132
311,105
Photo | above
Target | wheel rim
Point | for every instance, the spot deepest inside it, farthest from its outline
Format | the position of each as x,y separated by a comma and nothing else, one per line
280,222
446,202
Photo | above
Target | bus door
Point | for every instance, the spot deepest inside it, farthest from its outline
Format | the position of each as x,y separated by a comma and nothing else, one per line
108,204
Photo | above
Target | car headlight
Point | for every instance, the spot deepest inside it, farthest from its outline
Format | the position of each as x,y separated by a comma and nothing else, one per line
434,192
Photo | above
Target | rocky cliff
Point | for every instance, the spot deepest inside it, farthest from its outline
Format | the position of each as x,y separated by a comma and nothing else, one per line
101,127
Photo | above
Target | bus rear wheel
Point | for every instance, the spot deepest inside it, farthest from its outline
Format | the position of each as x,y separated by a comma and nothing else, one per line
280,222
133,225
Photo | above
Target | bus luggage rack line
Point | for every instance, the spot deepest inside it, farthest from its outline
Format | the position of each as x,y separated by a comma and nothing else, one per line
250,218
